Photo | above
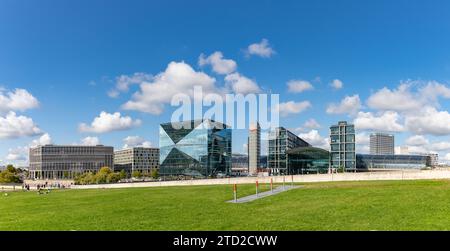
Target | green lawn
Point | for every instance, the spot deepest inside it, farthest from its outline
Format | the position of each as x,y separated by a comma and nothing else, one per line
373,205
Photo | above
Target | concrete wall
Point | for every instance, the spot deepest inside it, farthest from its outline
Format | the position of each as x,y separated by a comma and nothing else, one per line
394,175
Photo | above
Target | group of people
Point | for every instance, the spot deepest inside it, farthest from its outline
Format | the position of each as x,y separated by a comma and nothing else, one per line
45,187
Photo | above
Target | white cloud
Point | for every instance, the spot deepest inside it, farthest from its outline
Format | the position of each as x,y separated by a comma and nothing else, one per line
241,84
45,139
337,84
387,121
123,82
18,154
429,121
349,105
13,126
218,63
107,122
313,137
261,49
416,140
298,86
362,138
311,124
400,99
292,107
178,77
17,100
439,146
135,141
90,141
405,99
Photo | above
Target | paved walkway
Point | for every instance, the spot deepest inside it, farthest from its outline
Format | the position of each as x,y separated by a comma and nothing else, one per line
253,197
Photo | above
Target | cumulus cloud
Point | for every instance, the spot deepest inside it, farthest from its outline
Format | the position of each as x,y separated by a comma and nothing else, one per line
13,126
17,154
349,105
311,124
408,99
90,141
362,140
107,122
241,84
261,49
123,82
178,77
45,139
135,141
387,121
298,86
292,107
429,121
337,84
218,63
17,100
400,99
416,140
313,137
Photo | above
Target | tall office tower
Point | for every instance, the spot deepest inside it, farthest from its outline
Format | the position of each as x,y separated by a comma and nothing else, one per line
142,159
381,144
342,147
254,149
280,141
195,148
65,162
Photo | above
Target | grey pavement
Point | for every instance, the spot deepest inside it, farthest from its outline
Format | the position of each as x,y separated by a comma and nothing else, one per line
253,197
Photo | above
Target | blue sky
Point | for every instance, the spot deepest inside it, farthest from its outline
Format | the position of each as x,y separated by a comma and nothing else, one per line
68,56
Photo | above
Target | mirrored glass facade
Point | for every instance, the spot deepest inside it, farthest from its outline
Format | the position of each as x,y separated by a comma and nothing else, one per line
306,160
389,161
195,148
280,141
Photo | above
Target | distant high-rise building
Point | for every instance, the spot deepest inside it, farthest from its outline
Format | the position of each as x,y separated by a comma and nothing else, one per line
280,141
65,162
142,159
254,149
381,144
342,146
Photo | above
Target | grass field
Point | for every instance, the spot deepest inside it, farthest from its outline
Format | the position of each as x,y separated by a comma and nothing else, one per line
372,205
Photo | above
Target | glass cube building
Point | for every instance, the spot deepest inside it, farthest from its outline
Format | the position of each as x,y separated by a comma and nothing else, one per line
342,147
196,148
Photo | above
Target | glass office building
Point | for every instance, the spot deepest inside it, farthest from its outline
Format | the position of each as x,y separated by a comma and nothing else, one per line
197,148
389,161
306,160
280,141
342,147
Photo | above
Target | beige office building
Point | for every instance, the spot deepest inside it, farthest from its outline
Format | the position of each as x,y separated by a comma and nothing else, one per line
254,149
142,159
65,162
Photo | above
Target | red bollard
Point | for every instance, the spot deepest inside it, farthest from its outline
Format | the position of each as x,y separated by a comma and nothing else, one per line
256,188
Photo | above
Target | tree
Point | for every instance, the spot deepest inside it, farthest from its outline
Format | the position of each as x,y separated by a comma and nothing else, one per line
122,174
10,175
136,174
155,174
